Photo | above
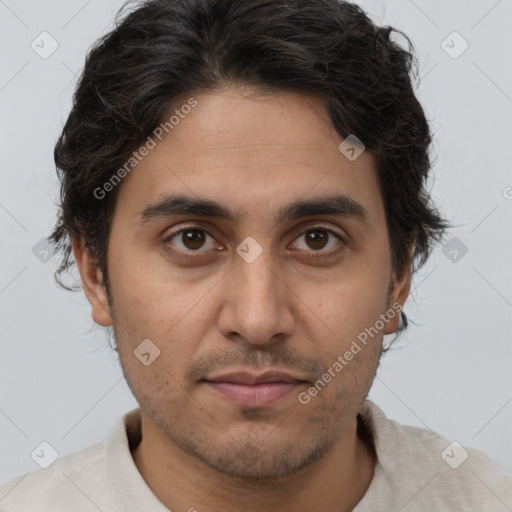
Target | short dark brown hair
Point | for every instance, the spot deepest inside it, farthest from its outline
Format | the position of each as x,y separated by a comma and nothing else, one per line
162,51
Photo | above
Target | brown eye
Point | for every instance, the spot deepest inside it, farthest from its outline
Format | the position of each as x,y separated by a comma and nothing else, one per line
193,239
318,239
190,239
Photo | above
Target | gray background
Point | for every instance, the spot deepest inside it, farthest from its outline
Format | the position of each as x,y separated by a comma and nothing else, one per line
59,381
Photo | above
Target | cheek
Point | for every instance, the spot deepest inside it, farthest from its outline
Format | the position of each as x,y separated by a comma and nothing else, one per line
145,300
343,310
169,313
350,302
156,387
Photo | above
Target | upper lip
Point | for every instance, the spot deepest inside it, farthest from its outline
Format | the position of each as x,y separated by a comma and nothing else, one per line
253,378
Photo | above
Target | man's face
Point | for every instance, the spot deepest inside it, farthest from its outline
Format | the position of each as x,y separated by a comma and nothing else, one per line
212,310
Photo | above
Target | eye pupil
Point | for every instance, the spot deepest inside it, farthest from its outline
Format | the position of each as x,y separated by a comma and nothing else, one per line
315,239
195,237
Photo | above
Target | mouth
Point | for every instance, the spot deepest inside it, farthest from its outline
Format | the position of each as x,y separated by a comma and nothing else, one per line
254,391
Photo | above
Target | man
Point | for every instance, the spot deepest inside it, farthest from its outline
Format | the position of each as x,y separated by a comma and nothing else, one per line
243,193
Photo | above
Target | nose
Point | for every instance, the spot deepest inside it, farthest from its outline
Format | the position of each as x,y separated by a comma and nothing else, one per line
257,302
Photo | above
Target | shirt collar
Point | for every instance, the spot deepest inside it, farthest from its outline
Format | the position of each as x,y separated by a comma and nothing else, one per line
135,495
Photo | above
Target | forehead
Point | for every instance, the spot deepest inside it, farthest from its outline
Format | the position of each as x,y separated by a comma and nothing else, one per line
245,120
251,151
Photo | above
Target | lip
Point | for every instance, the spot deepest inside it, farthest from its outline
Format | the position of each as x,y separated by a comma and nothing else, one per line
254,391
253,378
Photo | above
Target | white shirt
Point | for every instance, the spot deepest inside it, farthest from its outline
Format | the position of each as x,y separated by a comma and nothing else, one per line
417,470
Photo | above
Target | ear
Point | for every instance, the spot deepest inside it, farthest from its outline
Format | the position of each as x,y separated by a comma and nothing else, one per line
399,293
92,281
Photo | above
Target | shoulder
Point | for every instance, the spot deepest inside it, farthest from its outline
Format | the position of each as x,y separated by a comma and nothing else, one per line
419,469
86,480
73,482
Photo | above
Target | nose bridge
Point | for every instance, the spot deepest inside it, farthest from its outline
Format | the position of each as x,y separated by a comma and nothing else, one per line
259,284
258,305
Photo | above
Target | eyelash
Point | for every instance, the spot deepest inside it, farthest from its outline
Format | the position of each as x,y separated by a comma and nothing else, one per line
318,255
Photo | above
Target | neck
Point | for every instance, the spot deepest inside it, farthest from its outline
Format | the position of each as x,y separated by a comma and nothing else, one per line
337,481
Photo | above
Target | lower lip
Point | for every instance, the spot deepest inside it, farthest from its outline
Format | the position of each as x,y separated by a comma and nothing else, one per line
254,395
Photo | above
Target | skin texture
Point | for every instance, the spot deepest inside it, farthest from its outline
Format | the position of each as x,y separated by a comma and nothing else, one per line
217,313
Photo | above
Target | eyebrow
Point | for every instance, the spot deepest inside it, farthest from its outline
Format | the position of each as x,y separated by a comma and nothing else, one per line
173,205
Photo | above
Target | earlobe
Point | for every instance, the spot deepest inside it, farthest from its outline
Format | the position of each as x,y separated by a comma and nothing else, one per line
398,296
92,282
397,300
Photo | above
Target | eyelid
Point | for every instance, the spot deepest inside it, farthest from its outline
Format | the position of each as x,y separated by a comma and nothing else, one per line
299,231
308,225
186,227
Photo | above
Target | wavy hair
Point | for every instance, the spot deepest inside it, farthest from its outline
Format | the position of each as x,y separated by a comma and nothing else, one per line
161,51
